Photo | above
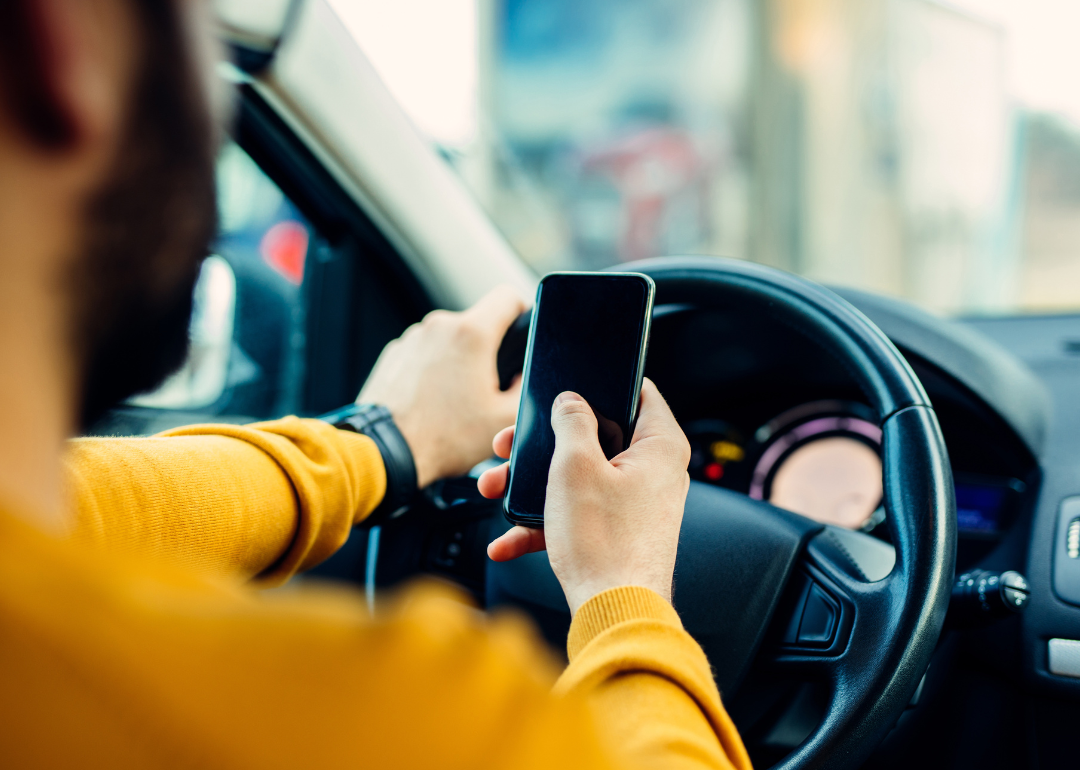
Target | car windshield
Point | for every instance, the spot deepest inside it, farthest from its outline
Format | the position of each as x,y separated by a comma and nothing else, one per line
925,150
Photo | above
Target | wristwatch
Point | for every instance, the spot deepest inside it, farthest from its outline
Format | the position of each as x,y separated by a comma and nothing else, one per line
376,422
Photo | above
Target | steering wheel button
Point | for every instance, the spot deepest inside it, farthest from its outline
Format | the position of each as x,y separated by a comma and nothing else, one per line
819,619
791,636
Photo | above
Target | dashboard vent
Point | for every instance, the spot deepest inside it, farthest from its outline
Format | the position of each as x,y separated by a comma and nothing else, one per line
1072,538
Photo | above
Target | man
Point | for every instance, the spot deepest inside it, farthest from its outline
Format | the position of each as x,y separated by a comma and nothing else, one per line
126,636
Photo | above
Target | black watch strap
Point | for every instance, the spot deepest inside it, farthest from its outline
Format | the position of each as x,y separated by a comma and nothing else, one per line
376,422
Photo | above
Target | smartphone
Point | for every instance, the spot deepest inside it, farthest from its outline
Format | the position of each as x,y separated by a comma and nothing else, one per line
589,333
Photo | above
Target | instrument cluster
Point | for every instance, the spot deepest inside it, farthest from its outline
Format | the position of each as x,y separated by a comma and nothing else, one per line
823,460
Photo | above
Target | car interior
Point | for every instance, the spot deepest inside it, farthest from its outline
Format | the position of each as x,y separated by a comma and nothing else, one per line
881,550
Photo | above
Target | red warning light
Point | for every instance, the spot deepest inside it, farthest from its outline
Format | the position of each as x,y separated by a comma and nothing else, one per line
284,248
714,471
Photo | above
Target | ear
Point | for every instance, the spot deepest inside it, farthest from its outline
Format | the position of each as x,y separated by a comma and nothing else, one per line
64,67
29,78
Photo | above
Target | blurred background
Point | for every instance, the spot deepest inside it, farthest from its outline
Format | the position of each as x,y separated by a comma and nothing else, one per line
923,149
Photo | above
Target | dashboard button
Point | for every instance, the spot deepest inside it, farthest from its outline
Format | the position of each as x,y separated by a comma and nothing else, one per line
1064,657
1066,573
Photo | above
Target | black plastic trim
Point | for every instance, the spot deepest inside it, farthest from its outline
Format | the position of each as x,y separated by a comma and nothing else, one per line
360,294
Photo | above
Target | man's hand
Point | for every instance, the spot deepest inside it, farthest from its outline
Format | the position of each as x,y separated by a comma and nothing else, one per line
440,383
606,524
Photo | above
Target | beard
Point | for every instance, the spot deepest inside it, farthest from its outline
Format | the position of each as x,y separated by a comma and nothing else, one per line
148,227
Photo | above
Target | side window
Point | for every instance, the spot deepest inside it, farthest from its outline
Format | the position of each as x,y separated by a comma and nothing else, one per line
248,336
300,294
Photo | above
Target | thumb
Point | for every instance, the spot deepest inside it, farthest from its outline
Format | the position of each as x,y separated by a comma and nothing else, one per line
575,428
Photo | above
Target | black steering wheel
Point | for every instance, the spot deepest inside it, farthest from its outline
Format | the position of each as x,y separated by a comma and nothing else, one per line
757,583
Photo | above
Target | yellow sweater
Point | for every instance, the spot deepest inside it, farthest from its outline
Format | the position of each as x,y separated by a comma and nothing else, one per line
135,643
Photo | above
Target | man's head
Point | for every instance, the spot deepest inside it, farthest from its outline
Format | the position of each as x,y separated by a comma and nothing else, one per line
109,98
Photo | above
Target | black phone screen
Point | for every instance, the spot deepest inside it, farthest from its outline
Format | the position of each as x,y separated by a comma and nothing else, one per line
589,335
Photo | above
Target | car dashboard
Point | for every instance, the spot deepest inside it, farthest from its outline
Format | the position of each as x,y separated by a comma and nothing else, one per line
773,416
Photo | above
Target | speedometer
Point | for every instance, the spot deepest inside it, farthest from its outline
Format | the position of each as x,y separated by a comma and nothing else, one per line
822,460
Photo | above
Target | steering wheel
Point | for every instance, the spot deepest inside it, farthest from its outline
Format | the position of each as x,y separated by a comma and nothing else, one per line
755,583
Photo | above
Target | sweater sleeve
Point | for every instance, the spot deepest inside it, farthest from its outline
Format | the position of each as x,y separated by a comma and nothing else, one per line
264,500
649,683
126,665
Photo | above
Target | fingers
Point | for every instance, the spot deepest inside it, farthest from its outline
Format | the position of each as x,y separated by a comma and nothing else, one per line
503,442
574,424
492,482
516,542
497,309
655,417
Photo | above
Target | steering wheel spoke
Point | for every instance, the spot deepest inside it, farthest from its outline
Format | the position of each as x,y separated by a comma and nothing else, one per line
736,556
828,612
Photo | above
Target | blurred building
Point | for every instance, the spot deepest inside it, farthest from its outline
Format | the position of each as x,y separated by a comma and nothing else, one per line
860,142
869,143
1051,233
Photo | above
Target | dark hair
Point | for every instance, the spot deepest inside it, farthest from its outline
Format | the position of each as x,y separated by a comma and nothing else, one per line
149,224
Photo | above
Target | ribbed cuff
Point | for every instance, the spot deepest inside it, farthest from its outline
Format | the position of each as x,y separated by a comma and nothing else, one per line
612,607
